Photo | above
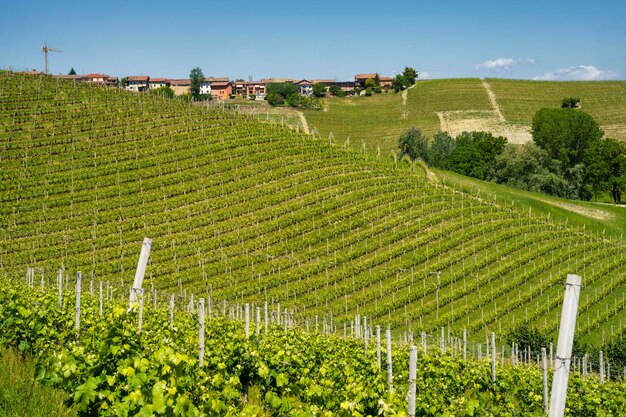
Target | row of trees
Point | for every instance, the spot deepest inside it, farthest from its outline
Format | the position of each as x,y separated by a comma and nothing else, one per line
404,80
569,156
278,94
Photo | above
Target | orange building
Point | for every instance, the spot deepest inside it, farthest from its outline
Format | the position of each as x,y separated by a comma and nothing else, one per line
221,89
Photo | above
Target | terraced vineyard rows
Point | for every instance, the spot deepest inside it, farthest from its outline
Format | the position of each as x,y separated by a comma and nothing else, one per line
244,211
604,100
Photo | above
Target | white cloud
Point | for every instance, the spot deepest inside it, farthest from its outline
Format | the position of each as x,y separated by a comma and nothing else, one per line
423,75
577,73
503,64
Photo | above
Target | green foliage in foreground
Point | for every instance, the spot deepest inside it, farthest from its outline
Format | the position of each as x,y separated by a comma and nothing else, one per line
21,395
109,368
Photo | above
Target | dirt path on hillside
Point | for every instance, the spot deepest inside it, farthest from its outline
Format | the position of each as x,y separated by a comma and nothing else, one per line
493,101
585,211
405,94
443,123
303,124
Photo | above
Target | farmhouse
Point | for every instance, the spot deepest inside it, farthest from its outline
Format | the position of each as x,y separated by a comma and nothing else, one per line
180,86
385,82
138,83
306,87
99,79
158,83
221,89
346,85
207,83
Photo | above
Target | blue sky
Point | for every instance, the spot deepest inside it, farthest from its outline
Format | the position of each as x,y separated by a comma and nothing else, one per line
322,39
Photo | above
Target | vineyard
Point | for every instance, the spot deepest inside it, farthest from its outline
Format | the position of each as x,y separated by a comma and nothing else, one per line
463,104
245,211
379,120
605,101
192,359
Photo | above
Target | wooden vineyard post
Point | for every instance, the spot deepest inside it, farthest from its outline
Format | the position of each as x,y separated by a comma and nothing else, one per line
365,335
141,271
265,320
564,346
464,344
378,361
171,311
100,298
389,369
412,377
140,325
201,333
551,355
585,367
79,278
544,377
258,320
493,357
247,318
60,288
601,367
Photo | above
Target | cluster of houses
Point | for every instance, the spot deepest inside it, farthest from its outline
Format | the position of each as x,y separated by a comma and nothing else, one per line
222,87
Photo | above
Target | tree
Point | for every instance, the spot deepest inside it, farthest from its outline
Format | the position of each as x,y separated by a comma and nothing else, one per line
196,77
277,93
410,75
605,163
440,150
72,71
565,134
399,83
319,89
370,83
526,336
475,153
414,144
376,80
570,103
164,91
335,90
528,167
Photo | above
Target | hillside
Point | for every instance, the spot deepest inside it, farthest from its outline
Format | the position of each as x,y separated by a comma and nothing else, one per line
243,210
501,106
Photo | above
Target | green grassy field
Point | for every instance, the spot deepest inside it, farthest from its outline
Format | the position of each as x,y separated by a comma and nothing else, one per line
377,120
519,100
429,97
244,211
21,396
601,218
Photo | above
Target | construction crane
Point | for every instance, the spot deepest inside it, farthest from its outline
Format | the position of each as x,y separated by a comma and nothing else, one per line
45,48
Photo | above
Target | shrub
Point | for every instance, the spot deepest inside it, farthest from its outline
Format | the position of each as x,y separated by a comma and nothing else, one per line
570,103
414,144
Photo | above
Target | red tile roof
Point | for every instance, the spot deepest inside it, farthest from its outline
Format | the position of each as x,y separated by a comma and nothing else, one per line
216,79
180,82
220,84
158,80
95,76
138,78
364,76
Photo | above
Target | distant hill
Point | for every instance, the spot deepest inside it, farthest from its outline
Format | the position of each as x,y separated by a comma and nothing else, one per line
502,106
244,210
